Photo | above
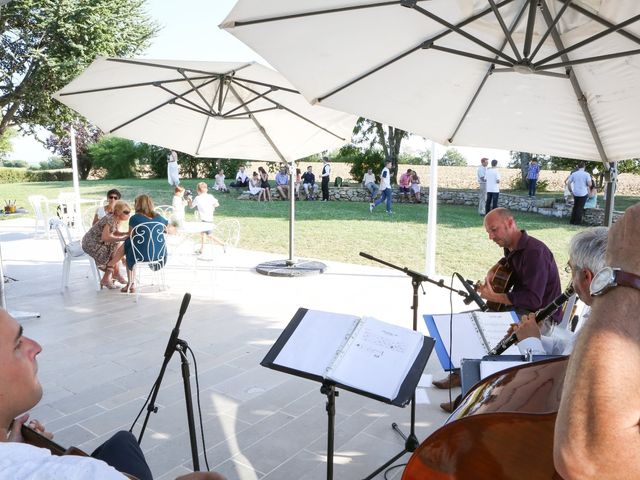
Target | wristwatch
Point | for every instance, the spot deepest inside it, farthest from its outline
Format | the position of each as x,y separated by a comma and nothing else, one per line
609,277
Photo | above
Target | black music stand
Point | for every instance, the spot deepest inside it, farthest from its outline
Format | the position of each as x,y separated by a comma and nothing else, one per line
411,442
279,358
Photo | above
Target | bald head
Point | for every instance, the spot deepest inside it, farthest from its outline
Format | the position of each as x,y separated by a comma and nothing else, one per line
501,227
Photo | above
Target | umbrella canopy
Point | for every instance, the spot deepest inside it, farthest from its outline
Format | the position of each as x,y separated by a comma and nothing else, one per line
555,76
206,109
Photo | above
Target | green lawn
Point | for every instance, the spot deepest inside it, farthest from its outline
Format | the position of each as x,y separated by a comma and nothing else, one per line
340,230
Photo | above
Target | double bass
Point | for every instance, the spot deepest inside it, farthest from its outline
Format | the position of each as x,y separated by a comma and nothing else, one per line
502,429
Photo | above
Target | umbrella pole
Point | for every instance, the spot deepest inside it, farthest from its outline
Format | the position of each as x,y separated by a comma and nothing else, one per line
292,211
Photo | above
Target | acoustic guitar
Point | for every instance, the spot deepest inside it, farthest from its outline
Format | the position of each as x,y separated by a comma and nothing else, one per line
503,429
501,279
36,439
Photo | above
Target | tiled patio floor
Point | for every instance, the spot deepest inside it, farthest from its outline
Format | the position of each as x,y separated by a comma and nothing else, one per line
102,353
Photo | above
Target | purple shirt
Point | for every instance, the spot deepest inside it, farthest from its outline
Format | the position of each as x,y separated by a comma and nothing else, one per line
537,282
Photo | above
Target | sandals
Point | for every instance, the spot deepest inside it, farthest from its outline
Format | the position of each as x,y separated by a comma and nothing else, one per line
107,281
128,288
117,276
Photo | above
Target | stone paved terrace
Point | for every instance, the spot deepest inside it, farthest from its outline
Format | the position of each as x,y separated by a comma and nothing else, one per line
102,352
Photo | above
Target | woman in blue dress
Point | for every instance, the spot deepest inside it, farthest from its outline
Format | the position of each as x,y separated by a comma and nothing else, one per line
148,247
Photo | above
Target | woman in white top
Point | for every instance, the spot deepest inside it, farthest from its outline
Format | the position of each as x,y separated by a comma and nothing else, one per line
113,196
219,182
254,185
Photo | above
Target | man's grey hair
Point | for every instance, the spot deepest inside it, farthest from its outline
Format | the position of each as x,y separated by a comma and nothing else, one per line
588,248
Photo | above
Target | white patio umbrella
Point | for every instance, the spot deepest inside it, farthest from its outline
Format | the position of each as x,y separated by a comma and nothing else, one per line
206,109
558,77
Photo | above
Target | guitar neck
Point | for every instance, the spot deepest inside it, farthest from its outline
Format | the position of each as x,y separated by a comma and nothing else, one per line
36,439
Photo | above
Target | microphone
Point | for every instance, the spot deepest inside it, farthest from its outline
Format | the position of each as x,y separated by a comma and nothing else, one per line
171,345
472,294
541,315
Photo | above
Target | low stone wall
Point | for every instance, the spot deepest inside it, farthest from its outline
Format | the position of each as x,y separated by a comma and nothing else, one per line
551,207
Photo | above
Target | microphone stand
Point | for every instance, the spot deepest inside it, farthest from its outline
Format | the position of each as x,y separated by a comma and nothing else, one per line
411,440
176,344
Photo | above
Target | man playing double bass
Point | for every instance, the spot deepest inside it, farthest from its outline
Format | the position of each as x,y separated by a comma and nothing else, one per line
534,274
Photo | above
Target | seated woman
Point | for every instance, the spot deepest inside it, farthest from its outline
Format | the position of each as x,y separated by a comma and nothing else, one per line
103,243
145,213
113,196
264,184
254,185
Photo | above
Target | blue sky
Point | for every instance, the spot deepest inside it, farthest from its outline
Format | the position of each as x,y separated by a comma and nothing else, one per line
190,32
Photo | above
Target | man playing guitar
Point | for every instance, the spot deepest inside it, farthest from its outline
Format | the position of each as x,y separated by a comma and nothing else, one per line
533,275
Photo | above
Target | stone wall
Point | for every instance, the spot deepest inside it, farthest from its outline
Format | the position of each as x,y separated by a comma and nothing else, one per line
551,207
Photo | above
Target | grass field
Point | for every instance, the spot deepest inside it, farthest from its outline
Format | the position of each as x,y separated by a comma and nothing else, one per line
340,230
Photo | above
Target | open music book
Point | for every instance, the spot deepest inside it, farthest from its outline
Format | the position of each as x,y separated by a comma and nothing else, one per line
364,355
472,335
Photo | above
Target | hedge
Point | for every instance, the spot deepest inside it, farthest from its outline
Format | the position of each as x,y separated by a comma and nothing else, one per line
21,175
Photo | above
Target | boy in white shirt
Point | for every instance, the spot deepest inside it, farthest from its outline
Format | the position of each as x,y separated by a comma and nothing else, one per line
206,205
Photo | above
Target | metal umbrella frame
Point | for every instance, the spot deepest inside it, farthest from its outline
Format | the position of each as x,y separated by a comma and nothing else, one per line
208,109
569,65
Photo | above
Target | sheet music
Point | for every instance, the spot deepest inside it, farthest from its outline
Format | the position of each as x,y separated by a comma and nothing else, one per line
494,326
466,341
377,358
313,345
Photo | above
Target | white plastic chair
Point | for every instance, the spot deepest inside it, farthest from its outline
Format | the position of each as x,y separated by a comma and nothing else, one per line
43,215
72,251
148,253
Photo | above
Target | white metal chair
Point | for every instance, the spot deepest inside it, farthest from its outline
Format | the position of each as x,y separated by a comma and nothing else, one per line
165,210
72,251
43,216
149,248
228,230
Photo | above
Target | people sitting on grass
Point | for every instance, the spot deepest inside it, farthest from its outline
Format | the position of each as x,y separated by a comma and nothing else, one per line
205,204
103,243
309,184
219,184
113,196
254,186
282,183
404,187
369,182
264,184
149,247
242,179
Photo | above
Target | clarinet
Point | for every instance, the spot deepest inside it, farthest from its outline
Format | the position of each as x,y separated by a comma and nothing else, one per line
541,315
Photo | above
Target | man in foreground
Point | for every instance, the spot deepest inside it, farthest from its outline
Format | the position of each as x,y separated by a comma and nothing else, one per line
596,433
20,391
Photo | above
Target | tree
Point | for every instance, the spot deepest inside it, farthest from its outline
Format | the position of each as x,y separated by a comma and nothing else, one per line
452,158
116,155
361,160
386,137
5,143
86,135
46,43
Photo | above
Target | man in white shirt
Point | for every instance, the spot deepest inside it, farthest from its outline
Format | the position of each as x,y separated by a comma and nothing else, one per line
206,205
492,177
20,391
482,185
242,179
369,182
586,258
579,183
385,188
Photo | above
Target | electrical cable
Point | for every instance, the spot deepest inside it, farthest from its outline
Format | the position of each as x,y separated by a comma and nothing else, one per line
195,370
